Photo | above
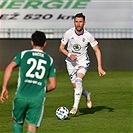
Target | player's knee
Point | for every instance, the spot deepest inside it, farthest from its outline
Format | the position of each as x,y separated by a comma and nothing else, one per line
78,82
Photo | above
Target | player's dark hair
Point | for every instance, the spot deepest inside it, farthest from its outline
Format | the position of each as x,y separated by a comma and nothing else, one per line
38,38
79,15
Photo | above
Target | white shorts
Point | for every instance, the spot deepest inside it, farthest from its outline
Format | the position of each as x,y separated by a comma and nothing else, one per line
73,68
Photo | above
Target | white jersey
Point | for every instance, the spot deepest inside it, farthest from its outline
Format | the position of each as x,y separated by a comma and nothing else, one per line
78,44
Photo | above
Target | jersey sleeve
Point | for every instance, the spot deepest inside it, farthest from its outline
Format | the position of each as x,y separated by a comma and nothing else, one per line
17,59
93,42
65,38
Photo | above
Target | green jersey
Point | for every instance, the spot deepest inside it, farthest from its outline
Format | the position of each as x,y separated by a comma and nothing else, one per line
35,66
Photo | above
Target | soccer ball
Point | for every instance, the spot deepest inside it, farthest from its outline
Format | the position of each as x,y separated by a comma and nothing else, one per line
62,113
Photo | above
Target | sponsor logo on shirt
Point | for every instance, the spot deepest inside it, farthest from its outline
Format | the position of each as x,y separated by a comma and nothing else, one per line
76,47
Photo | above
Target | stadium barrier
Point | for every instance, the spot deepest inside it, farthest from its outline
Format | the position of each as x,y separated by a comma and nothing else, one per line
57,33
116,53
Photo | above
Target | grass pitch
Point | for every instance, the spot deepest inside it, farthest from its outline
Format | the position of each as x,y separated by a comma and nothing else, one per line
111,112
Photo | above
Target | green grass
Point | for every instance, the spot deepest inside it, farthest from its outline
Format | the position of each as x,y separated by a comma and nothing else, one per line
111,111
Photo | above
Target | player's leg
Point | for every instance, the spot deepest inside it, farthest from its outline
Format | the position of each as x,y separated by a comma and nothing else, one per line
85,92
88,97
72,74
81,73
77,88
32,128
18,114
84,70
35,107
17,127
77,95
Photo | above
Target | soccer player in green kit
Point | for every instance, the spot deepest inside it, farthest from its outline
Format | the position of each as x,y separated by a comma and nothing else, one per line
35,67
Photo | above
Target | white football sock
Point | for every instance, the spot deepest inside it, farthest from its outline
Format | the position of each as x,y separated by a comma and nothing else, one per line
77,92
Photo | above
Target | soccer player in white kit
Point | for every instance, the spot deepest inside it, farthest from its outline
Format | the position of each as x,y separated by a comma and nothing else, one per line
77,40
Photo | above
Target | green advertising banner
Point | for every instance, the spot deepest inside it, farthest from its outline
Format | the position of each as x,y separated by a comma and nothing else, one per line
59,13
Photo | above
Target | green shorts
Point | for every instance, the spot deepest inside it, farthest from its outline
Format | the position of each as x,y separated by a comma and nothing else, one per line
31,110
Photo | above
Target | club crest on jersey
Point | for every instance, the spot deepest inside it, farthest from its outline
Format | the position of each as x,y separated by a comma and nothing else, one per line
76,47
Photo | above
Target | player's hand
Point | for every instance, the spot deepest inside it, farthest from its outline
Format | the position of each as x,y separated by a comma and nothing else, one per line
73,57
4,95
101,72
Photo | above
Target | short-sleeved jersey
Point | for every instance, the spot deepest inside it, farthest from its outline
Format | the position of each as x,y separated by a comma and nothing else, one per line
35,66
78,43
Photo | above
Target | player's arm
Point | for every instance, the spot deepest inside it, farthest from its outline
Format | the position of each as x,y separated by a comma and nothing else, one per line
7,75
65,52
52,84
99,60
51,77
62,49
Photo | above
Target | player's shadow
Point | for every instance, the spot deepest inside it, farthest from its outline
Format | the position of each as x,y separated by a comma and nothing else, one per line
92,110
